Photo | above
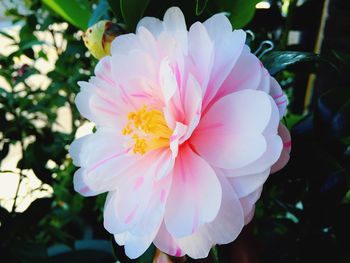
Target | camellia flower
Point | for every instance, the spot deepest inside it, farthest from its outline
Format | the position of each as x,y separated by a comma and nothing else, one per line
187,132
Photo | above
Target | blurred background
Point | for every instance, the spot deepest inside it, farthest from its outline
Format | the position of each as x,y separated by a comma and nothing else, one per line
304,211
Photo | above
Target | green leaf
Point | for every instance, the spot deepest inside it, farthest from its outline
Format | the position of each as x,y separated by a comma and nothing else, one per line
100,12
241,12
200,6
333,112
277,61
132,11
74,11
215,254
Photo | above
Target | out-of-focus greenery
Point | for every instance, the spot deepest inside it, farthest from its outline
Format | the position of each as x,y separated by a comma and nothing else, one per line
304,211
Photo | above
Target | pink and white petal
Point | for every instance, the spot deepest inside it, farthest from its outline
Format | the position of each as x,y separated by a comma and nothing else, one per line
128,203
230,135
103,69
195,195
103,158
165,242
152,24
248,204
135,246
174,23
280,98
80,186
227,52
246,74
167,80
245,111
124,44
76,150
265,80
192,105
247,184
227,150
197,245
229,222
287,147
269,157
122,238
95,107
154,213
218,26
201,54
175,139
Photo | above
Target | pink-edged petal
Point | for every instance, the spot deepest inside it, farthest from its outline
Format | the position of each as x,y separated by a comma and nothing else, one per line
267,159
165,242
154,213
135,245
167,80
278,95
103,158
287,147
126,206
218,26
227,52
229,222
246,74
245,185
230,135
178,133
265,79
80,186
124,44
152,24
174,23
248,204
201,54
97,104
192,105
195,194
103,69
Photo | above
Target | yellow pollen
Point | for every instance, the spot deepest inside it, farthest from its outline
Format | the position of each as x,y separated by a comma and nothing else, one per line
148,129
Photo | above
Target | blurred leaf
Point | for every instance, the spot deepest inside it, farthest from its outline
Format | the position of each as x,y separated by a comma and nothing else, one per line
99,13
77,12
200,6
132,11
148,255
333,112
215,254
240,12
4,151
115,7
276,61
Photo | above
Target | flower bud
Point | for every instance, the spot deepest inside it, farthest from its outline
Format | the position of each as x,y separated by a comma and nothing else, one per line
98,38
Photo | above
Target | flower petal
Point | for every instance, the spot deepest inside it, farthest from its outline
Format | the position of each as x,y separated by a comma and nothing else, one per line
287,147
279,97
230,135
248,204
174,23
195,194
245,185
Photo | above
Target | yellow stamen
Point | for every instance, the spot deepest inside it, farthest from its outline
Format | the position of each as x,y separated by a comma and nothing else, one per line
149,130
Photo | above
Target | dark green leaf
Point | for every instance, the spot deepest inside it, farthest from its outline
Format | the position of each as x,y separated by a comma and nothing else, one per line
74,11
277,61
240,11
200,6
132,11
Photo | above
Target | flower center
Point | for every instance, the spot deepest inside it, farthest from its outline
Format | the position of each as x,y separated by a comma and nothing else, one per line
148,129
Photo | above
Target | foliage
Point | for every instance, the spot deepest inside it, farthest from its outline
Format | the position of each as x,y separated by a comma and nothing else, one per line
304,210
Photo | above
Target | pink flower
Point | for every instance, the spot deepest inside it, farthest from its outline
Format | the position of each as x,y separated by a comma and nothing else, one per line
187,131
